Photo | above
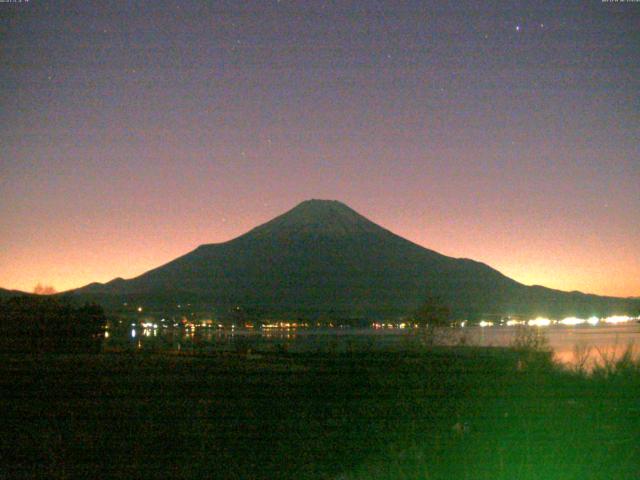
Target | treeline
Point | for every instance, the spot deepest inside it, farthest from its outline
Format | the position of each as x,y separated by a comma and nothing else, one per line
46,324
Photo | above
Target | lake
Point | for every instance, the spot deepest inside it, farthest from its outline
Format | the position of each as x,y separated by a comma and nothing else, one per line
571,344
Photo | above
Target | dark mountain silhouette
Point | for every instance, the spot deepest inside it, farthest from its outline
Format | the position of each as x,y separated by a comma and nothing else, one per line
4,293
323,258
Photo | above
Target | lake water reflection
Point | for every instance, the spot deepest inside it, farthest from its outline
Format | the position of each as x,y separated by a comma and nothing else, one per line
570,343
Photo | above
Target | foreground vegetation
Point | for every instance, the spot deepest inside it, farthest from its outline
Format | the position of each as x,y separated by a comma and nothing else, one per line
444,413
47,324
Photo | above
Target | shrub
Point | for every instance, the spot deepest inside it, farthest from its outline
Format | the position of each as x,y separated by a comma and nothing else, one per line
45,324
532,349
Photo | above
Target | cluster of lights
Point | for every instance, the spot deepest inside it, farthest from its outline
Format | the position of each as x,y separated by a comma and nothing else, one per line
569,321
511,323
402,325
618,319
192,325
284,325
151,328
539,322
572,321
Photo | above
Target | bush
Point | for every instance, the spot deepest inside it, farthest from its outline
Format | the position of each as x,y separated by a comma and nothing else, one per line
532,349
45,324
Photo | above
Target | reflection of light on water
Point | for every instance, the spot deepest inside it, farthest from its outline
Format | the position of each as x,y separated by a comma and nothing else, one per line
539,322
587,358
563,334
279,334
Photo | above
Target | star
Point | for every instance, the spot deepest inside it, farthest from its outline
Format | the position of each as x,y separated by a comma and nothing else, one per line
517,28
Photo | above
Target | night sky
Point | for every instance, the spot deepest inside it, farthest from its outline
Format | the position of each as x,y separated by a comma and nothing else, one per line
506,132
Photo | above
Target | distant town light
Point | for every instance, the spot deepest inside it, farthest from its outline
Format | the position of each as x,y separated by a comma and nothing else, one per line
572,321
617,319
485,324
539,322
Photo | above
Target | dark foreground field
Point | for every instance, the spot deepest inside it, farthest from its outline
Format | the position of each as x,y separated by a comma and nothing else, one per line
463,413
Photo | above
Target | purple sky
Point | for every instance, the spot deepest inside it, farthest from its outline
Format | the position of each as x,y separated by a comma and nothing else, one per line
131,132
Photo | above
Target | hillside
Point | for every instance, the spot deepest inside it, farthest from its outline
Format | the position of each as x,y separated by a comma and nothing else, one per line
4,293
323,258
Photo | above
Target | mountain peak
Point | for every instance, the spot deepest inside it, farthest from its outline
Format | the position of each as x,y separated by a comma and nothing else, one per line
318,217
323,258
316,206
320,202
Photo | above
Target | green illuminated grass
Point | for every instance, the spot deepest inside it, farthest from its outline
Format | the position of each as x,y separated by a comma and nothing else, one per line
456,413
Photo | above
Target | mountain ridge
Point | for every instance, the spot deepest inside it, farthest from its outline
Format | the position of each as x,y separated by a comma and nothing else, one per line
6,293
322,257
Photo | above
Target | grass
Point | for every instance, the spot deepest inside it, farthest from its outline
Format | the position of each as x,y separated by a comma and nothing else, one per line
440,413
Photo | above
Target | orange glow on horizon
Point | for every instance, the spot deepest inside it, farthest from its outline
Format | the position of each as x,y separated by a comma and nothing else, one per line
531,261
135,137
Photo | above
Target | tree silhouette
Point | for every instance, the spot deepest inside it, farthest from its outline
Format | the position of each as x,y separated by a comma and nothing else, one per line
431,315
433,312
43,324
40,289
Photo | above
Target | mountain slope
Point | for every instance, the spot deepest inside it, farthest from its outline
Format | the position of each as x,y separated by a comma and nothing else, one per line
322,257
4,293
